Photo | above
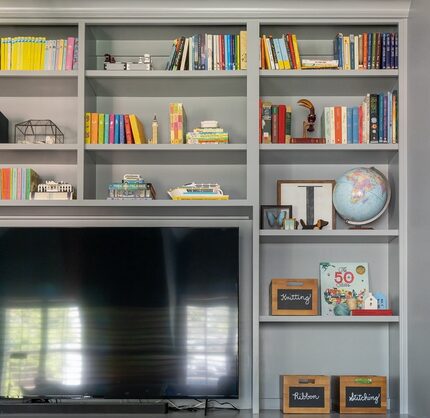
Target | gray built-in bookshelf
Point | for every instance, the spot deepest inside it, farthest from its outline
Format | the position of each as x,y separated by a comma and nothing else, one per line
247,171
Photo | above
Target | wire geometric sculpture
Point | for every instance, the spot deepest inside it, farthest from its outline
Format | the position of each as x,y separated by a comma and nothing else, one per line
38,131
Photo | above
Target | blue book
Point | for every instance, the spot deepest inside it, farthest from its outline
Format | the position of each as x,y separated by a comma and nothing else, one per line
393,53
226,54
388,58
277,49
284,51
106,132
380,117
121,130
355,125
369,50
230,51
349,125
116,130
396,50
383,50
340,46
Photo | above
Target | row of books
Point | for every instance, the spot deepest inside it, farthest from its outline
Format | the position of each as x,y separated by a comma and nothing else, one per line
18,183
280,53
369,50
208,52
109,128
38,53
275,123
375,121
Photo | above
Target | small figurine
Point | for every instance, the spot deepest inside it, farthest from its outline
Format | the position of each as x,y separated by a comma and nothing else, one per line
154,139
309,125
321,223
110,58
370,302
382,300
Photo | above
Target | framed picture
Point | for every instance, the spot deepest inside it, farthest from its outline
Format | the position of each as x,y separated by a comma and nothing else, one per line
311,200
272,217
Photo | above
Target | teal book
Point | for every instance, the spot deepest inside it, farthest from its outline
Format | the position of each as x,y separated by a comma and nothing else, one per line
116,132
355,125
106,130
349,124
343,285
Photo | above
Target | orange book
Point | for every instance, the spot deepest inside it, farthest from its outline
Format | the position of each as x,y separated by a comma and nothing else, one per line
128,132
137,130
338,124
5,181
262,55
94,128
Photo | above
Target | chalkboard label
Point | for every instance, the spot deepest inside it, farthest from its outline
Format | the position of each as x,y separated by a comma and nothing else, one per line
299,299
363,397
306,397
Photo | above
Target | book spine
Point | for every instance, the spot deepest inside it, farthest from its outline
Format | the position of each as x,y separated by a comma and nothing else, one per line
383,50
243,50
121,130
87,128
128,132
338,124
360,124
360,51
385,136
396,50
374,42
349,125
75,54
390,118
393,52
378,51
282,110
296,52
279,54
275,122
344,125
172,54
352,51
116,128
346,53
266,124
94,128
291,50
111,128
287,62
369,50
380,118
388,52
340,48
101,131
273,52
288,124
373,119
260,115
355,125
106,129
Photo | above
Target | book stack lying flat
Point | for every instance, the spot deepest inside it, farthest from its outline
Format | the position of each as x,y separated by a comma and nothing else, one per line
198,191
369,51
275,123
18,183
208,133
37,53
109,128
375,121
280,53
208,52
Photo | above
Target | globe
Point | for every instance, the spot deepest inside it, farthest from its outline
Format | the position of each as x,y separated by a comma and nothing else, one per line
361,195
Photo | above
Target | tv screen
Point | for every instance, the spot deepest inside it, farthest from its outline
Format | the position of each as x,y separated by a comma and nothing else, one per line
118,312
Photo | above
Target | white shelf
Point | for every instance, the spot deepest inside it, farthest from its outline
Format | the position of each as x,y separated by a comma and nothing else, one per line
31,154
168,154
38,74
38,147
329,73
165,74
328,319
327,153
329,236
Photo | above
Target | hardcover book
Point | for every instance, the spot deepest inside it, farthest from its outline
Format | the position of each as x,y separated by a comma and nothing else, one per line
341,282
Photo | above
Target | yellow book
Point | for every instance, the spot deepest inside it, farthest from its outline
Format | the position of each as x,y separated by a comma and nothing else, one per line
346,53
243,41
266,53
296,51
137,130
14,49
88,128
9,54
36,56
43,53
25,45
2,53
101,131
32,52
21,53
60,51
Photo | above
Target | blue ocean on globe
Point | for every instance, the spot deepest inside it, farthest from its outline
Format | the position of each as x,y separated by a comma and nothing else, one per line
360,194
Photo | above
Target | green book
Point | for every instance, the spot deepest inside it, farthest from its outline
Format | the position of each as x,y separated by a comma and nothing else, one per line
101,128
106,129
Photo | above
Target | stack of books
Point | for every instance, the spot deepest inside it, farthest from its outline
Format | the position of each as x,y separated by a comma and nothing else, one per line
177,123
208,133
109,128
37,53
375,121
275,123
369,51
280,53
18,183
208,52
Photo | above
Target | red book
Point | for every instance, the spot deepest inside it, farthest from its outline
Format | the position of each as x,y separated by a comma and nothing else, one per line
281,125
128,131
260,133
291,48
307,141
111,128
360,124
372,312
365,65
337,124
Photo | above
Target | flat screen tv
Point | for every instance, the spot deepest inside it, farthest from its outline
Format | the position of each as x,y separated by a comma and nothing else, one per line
142,313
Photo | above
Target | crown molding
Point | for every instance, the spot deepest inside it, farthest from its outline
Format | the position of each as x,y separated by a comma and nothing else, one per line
192,9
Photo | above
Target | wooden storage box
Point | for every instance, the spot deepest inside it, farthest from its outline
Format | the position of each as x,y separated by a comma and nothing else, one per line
305,394
363,394
294,297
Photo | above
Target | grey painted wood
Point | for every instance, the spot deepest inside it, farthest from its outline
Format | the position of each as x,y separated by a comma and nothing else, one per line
335,319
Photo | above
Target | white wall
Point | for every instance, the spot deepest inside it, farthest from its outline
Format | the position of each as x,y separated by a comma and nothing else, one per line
418,207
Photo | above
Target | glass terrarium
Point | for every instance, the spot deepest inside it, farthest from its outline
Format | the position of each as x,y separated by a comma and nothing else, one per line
36,131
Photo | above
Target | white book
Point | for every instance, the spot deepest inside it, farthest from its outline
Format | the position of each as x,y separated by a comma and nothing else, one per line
184,55
210,52
344,125
190,53
332,138
218,51
215,51
356,56
269,50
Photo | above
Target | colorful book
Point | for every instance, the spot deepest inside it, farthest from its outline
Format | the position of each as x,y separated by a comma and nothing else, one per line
116,129
94,128
128,132
138,132
111,128
121,130
106,129
87,128
101,131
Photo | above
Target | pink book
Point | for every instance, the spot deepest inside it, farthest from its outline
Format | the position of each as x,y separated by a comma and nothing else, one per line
111,128
70,49
19,184
360,124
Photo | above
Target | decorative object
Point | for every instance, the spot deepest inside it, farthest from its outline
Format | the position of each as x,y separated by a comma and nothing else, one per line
311,201
143,64
53,190
132,187
382,300
274,217
361,195
294,297
208,133
362,394
4,129
38,131
198,191
341,282
290,224
177,123
111,64
370,302
306,394
308,125
154,139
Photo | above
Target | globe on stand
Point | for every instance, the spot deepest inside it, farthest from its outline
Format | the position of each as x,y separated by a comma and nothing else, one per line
361,196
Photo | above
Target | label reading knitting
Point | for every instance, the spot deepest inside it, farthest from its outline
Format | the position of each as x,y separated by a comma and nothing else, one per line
363,397
299,299
306,397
